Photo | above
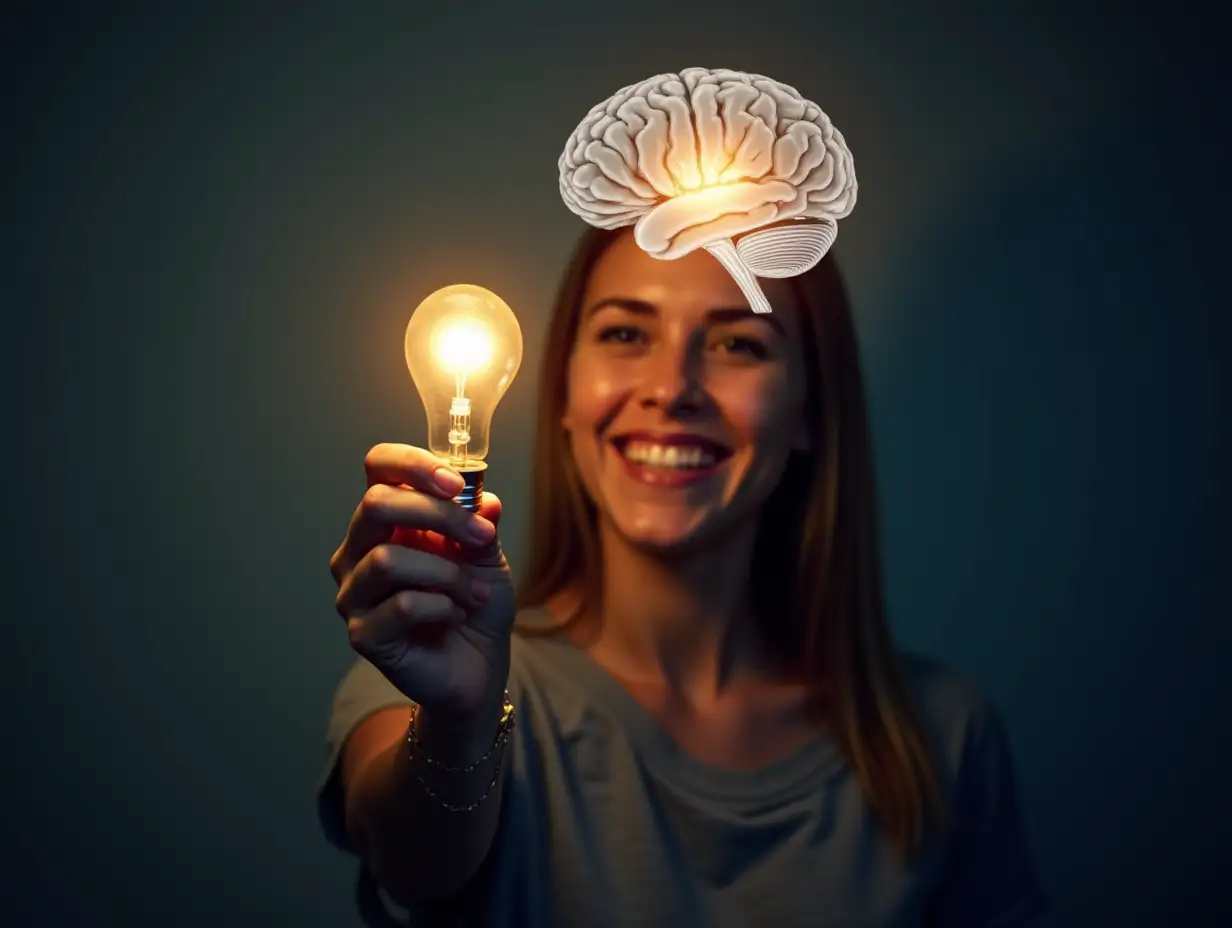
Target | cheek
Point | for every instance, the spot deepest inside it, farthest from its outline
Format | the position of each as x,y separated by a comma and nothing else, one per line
595,391
763,409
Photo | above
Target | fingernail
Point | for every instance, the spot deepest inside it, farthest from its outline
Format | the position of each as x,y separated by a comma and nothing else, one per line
482,591
481,529
448,480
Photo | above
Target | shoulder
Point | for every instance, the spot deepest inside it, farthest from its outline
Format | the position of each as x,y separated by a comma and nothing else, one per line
533,642
990,876
943,695
958,718
540,660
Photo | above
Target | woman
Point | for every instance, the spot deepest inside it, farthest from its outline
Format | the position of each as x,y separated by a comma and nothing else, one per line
712,724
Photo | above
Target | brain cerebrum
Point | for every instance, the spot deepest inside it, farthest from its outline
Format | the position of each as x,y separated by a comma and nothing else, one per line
700,157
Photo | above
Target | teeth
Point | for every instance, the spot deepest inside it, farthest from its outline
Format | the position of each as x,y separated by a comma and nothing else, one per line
683,457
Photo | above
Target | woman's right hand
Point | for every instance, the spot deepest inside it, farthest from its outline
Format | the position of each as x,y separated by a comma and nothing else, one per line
424,586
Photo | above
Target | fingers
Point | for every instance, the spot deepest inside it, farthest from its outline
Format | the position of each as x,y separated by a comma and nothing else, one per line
386,508
415,467
491,554
389,570
401,618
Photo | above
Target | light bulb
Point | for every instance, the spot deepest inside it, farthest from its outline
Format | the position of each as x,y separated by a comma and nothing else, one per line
463,348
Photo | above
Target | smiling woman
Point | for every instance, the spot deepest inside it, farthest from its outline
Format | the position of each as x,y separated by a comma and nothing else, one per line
714,726
668,354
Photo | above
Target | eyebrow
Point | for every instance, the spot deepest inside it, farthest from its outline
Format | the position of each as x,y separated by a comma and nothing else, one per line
713,316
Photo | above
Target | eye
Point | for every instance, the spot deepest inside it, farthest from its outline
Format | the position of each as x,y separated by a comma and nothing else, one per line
745,345
621,335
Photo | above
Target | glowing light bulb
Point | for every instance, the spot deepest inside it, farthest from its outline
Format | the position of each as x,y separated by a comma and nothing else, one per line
463,349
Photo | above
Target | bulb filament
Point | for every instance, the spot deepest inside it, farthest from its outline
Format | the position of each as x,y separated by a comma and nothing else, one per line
459,425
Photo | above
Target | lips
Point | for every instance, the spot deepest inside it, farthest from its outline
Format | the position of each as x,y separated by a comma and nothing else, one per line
680,453
649,447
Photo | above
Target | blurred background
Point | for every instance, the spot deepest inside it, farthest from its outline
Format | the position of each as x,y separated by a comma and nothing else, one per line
218,218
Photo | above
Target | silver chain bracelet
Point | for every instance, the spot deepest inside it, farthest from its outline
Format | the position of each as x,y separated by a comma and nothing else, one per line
501,740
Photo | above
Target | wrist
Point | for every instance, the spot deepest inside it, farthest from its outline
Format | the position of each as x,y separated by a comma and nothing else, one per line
459,739
458,762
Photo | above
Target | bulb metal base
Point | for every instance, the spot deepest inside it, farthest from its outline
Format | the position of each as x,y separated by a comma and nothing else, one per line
472,494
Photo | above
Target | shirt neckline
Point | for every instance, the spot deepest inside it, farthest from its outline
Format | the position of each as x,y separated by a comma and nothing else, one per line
802,770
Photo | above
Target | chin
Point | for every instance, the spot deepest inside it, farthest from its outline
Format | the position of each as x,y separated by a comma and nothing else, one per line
667,534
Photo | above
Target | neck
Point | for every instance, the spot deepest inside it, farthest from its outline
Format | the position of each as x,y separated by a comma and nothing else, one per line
684,623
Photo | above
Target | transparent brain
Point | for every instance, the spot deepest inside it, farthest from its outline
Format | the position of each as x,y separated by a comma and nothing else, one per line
700,157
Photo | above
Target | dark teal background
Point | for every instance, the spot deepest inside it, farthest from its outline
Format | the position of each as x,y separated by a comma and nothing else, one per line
206,216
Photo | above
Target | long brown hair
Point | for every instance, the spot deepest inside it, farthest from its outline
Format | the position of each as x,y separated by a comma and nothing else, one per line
815,576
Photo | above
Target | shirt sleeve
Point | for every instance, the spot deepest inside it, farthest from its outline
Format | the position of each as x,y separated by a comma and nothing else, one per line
363,691
990,880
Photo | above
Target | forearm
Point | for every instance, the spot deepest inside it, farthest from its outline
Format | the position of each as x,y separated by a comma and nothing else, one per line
415,848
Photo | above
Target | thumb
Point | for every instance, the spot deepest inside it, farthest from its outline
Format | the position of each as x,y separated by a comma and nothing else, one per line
490,555
490,507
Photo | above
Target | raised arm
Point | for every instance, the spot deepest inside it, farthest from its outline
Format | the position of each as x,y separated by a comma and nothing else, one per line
429,603
414,847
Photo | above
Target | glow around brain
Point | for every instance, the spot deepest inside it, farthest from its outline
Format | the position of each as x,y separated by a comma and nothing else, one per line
699,158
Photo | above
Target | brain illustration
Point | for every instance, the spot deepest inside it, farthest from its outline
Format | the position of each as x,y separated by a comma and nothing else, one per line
708,159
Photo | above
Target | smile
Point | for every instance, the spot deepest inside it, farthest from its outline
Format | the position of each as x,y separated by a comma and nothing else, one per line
676,462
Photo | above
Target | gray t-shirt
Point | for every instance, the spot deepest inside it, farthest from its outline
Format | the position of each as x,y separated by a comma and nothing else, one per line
607,822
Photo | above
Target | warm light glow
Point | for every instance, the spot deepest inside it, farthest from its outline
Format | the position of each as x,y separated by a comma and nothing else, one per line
462,346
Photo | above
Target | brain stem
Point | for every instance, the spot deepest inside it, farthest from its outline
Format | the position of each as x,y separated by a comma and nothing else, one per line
726,254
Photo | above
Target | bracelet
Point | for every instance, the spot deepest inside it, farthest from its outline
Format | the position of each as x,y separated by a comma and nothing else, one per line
502,739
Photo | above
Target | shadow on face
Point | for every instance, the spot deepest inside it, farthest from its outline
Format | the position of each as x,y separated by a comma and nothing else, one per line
683,405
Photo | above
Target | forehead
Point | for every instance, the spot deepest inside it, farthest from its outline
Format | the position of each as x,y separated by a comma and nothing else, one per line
694,283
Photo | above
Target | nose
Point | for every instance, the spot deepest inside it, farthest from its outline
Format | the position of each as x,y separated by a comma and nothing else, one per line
673,380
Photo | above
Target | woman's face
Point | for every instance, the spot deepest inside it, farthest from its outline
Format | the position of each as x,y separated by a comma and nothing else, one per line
683,405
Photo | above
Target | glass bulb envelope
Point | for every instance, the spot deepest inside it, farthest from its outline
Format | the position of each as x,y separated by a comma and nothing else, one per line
463,348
